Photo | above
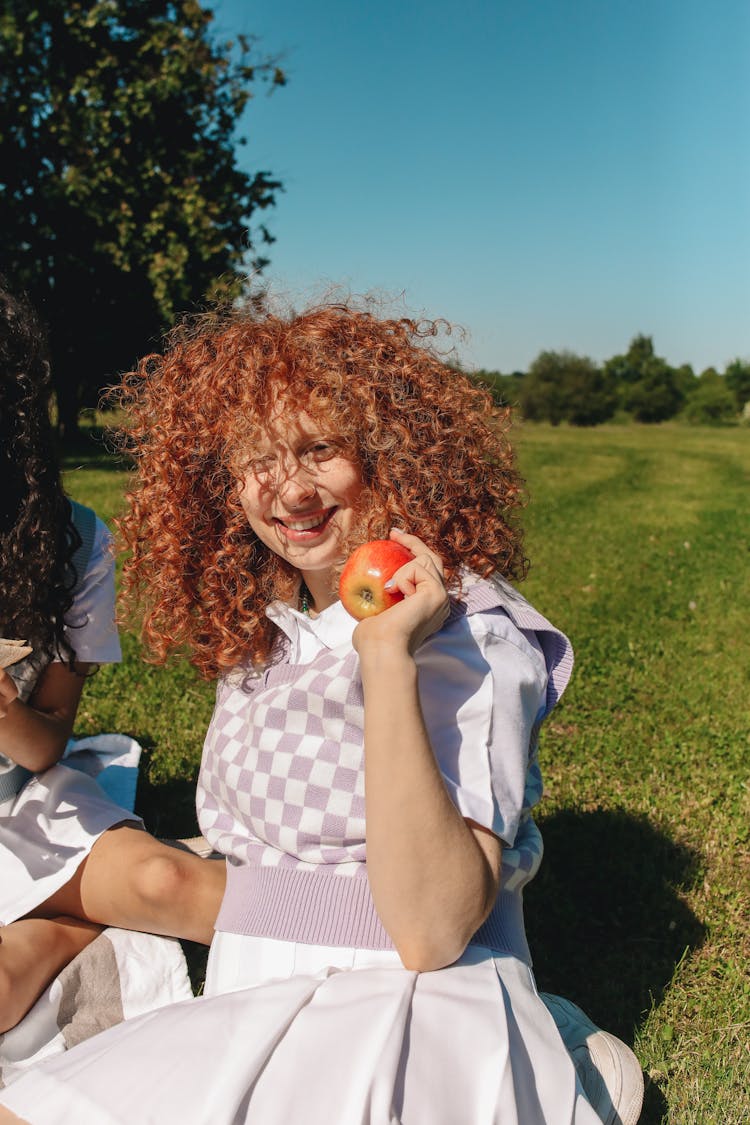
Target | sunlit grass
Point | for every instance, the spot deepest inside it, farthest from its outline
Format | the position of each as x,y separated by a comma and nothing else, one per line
639,539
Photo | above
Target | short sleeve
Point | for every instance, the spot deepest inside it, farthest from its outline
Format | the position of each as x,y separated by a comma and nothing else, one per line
90,622
482,686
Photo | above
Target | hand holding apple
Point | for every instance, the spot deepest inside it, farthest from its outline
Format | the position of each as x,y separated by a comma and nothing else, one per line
362,586
418,598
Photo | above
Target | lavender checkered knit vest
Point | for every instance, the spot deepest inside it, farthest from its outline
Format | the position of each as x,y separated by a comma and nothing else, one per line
281,794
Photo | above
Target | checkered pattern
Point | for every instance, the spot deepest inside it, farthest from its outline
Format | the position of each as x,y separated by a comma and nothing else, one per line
521,862
282,779
281,793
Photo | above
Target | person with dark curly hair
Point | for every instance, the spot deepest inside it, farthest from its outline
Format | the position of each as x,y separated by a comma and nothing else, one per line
71,860
371,783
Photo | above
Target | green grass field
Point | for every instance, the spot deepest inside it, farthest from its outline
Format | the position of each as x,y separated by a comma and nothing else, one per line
639,540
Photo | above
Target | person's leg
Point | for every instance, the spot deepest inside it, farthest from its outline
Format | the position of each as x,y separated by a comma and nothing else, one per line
32,953
7,1117
135,882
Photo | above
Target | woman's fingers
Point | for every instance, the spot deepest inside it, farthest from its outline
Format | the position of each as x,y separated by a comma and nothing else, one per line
424,570
421,569
418,548
424,609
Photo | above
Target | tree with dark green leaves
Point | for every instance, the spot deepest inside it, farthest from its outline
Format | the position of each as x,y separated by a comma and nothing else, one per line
121,200
710,401
649,388
629,368
686,378
505,389
737,375
563,386
655,397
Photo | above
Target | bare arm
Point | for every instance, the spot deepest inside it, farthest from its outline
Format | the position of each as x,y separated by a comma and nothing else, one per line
34,734
434,875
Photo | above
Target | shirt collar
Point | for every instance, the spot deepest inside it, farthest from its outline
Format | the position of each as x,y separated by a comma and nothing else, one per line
333,627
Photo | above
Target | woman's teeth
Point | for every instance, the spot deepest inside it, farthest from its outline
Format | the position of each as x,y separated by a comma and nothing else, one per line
305,525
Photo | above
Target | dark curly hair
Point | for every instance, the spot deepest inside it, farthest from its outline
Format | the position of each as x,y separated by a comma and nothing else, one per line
37,537
431,448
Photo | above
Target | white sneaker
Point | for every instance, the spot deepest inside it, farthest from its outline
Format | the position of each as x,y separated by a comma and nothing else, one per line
609,1072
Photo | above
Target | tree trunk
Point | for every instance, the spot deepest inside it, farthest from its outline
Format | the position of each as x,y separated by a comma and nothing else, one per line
66,394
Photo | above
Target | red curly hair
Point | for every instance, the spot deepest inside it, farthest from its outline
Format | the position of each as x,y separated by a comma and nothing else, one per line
431,448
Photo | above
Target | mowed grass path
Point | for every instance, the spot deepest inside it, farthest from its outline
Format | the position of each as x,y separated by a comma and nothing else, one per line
640,541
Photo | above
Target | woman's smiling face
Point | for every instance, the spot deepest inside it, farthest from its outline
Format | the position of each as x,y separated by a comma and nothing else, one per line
300,493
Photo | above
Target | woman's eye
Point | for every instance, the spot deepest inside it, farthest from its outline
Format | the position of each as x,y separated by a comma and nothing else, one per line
319,451
262,466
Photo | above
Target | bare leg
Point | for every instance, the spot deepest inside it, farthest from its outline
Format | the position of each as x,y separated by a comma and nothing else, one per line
131,880
7,1117
32,953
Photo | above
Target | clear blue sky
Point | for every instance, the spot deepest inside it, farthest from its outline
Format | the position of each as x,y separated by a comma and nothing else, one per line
545,173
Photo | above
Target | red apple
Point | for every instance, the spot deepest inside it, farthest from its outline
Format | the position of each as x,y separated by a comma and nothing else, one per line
362,583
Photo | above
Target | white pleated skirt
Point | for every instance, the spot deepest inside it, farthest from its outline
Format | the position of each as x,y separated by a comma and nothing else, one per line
299,1035
46,831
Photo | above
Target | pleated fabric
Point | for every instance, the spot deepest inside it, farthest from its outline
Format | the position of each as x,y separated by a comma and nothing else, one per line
371,1045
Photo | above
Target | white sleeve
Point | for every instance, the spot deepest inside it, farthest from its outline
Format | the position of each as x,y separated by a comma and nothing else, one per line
90,621
482,686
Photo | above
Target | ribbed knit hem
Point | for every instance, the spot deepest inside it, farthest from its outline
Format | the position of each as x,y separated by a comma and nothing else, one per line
322,908
293,904
504,930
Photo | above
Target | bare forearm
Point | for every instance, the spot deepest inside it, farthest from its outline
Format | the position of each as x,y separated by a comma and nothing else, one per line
31,738
34,734
431,882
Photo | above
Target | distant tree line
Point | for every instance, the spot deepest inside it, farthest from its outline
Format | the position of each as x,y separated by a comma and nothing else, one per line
561,386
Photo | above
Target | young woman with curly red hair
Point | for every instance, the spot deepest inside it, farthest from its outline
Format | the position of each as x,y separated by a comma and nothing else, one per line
370,783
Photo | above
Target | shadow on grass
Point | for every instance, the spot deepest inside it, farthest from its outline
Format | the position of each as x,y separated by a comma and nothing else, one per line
167,807
605,922
92,449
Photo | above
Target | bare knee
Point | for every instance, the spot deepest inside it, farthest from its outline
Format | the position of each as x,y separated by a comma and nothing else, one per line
10,1010
162,878
170,876
6,995
7,1117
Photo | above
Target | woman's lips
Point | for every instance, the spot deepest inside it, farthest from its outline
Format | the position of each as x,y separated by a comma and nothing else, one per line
304,527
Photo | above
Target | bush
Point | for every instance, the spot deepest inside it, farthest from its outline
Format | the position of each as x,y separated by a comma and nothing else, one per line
710,405
564,387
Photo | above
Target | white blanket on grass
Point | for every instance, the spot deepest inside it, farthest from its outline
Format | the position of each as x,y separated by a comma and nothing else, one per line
112,760
121,973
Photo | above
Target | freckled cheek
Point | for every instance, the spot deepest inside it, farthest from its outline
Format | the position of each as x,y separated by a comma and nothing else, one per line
350,484
252,502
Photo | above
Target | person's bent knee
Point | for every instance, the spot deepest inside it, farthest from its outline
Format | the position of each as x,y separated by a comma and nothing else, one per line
7,1117
162,878
6,1000
10,1012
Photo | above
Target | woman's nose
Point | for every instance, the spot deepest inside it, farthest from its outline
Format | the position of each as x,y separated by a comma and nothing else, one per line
295,484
